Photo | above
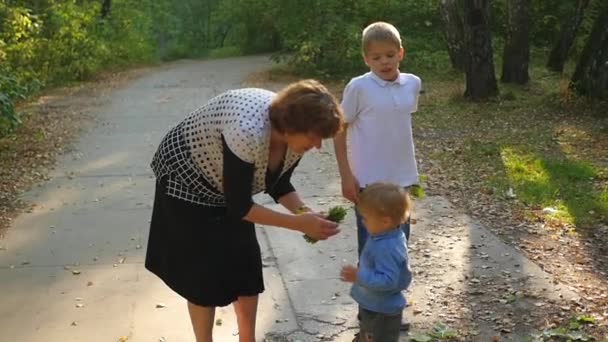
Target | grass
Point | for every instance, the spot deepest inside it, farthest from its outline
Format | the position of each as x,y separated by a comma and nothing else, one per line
539,140
224,52
565,185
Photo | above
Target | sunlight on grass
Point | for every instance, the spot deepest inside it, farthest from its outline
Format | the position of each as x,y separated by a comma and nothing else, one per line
564,185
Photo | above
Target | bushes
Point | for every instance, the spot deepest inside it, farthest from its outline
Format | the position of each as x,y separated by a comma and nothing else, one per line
48,43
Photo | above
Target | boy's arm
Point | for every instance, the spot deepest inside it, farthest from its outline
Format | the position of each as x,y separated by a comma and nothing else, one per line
350,106
385,275
350,185
417,90
341,153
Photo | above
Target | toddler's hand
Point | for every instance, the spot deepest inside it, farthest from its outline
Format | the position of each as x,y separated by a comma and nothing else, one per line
349,274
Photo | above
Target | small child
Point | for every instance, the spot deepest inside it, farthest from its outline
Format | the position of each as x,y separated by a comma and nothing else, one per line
384,269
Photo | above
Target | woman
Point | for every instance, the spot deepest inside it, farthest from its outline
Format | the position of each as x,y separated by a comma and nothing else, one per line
202,240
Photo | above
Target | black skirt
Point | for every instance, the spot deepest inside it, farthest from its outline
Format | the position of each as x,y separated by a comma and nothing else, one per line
200,253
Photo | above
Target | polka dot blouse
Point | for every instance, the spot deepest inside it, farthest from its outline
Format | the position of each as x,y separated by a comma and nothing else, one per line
222,148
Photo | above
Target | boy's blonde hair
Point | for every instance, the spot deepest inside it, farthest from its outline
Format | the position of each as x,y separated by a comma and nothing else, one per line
385,200
380,31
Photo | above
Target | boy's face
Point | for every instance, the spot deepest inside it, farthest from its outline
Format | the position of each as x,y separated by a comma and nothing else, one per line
376,224
383,58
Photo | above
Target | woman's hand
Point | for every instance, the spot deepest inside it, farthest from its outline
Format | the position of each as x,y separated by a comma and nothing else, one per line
349,274
316,226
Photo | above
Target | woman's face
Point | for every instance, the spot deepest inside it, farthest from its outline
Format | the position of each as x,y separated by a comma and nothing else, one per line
300,142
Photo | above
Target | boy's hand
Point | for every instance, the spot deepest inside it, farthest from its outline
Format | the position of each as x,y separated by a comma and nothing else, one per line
350,188
349,274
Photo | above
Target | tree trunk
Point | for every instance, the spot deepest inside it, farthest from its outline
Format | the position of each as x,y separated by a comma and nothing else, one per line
559,53
105,8
517,45
591,75
480,77
209,38
222,33
451,14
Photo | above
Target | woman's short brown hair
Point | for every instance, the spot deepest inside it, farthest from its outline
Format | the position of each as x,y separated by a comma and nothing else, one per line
306,107
385,200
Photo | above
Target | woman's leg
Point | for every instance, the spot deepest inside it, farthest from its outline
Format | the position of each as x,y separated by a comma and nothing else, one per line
202,321
246,310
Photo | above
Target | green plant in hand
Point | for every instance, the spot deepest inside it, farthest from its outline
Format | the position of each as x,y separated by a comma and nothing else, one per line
416,190
335,214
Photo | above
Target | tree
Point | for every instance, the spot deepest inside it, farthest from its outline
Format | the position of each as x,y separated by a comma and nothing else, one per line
105,8
451,14
517,45
568,31
591,75
480,77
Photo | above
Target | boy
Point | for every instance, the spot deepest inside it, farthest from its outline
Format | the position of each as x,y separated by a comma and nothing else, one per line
378,109
384,270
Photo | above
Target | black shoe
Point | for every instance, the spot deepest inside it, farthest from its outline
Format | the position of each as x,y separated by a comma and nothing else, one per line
405,324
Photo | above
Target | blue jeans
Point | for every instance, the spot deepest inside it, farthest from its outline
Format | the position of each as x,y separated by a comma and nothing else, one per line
362,233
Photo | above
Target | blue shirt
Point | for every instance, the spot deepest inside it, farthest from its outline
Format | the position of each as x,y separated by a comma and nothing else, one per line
384,271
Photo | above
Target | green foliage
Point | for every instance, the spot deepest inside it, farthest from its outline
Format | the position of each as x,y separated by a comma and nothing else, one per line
224,52
50,42
571,333
337,214
9,89
330,43
439,332
45,43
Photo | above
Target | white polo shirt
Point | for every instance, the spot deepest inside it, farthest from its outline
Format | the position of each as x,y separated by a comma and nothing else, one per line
379,114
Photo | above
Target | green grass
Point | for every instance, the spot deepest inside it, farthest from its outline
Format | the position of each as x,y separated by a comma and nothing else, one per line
539,179
565,185
540,140
224,52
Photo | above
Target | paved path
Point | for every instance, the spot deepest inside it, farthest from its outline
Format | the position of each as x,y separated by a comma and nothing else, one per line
72,268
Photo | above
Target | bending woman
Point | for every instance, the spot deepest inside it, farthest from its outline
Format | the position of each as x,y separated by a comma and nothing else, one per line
202,241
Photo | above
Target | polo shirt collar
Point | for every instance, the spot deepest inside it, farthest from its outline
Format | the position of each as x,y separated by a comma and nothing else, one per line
383,83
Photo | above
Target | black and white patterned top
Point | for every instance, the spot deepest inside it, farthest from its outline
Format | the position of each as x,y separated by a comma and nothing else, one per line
219,152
